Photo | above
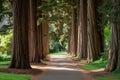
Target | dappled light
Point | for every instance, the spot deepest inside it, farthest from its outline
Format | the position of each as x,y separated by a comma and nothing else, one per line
59,62
60,39
59,66
56,68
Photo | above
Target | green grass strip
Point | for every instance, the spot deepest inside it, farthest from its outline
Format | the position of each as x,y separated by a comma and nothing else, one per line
8,76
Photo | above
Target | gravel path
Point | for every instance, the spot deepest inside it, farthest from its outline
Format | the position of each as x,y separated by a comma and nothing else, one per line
61,68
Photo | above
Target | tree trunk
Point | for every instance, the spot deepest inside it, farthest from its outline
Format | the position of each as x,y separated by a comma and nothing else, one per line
82,31
114,51
100,25
45,39
39,35
40,41
73,31
34,50
93,41
20,58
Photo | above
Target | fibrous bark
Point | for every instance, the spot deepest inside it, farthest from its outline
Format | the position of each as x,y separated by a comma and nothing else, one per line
45,39
72,47
33,34
114,51
93,44
82,31
20,58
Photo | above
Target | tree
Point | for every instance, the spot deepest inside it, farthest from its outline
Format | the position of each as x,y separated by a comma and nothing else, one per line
82,31
20,57
45,39
33,33
114,51
93,41
72,49
100,24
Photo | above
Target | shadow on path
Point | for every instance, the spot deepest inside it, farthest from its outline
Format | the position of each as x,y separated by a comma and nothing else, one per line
60,68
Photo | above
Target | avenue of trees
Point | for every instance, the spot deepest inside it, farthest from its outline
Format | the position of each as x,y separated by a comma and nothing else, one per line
92,17
79,24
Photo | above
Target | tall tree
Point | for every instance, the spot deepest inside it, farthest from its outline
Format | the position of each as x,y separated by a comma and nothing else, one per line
100,24
20,58
39,34
74,30
93,41
33,38
114,51
82,31
45,39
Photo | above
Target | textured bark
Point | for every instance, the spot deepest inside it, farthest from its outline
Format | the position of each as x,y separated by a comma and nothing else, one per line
69,39
20,58
82,31
33,36
114,51
45,39
72,47
40,42
39,35
73,42
93,42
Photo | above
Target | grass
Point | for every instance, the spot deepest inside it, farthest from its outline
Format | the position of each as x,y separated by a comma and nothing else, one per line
99,64
59,53
114,76
8,76
3,66
5,57
4,62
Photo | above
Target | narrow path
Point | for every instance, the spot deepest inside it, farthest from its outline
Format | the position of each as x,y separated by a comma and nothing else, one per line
61,68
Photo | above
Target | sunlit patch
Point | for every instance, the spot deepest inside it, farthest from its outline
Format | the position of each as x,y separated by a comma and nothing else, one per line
63,64
56,68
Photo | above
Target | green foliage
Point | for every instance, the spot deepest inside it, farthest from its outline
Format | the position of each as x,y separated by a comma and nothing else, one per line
6,42
96,65
1,8
53,46
4,62
5,8
56,47
110,11
3,66
59,34
107,36
115,11
58,15
9,76
4,57
114,76
105,9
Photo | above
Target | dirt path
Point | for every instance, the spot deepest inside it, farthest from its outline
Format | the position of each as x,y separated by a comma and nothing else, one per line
59,68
